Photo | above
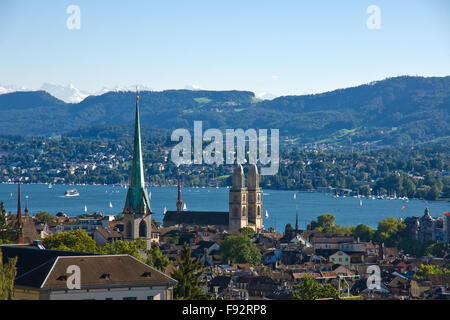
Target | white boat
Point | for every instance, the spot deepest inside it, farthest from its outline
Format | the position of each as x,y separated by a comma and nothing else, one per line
50,186
165,210
71,193
360,203
85,208
267,215
110,204
184,207
295,196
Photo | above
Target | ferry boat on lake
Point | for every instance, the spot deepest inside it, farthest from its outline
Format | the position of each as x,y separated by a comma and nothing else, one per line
71,193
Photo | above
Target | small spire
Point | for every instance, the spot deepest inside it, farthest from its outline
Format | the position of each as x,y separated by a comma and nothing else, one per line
19,222
26,205
179,202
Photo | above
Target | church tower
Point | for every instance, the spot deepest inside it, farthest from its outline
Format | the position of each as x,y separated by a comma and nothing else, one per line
238,201
137,212
19,222
179,202
254,199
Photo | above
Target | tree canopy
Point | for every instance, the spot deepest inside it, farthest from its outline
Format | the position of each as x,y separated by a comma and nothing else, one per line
239,249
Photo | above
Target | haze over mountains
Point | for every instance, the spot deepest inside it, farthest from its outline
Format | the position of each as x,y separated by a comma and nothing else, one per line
401,111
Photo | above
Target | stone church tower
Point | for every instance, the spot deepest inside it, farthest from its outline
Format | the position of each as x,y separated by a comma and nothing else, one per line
137,212
238,201
254,199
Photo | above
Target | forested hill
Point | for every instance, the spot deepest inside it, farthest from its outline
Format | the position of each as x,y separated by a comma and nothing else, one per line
399,111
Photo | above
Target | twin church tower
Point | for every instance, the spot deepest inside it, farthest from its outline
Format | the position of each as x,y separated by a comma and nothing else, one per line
245,202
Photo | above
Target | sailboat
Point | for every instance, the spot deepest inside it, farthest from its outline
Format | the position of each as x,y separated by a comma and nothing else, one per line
165,210
267,215
360,203
85,208
110,204
184,207
50,186
295,196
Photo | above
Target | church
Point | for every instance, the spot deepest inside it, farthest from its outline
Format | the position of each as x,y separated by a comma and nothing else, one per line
245,202
245,206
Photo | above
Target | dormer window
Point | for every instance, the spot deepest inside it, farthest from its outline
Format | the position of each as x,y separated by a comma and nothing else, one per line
106,276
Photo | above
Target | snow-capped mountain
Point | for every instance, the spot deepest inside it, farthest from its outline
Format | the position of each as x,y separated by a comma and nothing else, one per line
265,96
11,88
65,93
142,87
193,87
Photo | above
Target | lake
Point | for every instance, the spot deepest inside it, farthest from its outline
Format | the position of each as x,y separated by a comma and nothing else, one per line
280,205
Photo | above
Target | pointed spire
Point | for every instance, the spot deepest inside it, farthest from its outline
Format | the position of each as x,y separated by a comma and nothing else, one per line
19,222
26,205
137,197
179,202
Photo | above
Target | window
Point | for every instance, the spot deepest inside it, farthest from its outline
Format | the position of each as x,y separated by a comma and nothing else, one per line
150,297
108,298
142,229
129,298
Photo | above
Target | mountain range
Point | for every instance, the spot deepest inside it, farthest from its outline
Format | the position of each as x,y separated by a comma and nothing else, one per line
400,111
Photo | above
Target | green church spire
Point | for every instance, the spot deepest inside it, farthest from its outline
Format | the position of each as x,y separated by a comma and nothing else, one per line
137,197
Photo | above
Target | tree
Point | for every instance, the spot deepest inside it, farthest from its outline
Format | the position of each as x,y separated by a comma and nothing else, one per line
288,232
240,249
189,274
157,260
77,240
310,289
363,232
44,216
8,232
247,231
390,230
119,217
426,269
324,221
8,273
125,247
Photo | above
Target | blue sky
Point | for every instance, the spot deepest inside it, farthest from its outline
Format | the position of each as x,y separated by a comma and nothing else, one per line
281,47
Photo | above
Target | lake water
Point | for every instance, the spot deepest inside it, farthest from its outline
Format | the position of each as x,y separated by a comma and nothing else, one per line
281,205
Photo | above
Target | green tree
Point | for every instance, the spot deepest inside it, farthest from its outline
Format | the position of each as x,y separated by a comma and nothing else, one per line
133,248
44,216
8,273
247,231
310,289
189,274
426,269
363,232
157,260
390,230
324,221
77,240
8,232
119,217
288,232
239,249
